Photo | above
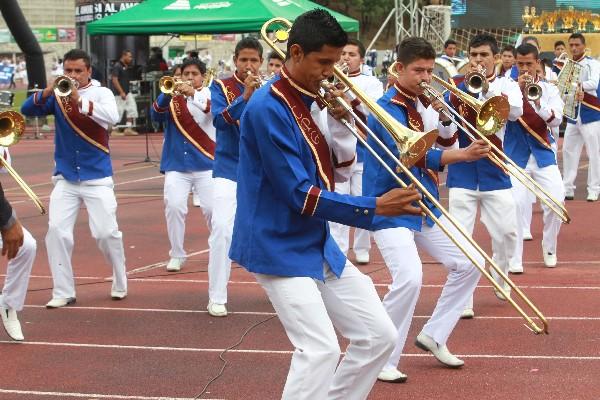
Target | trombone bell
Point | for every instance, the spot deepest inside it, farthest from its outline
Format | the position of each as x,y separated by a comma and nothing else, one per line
12,126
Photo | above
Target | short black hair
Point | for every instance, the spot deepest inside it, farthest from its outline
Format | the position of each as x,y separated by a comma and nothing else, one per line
249,43
125,52
484,39
449,42
528,48
415,48
577,36
192,54
531,39
78,54
193,61
559,43
274,55
315,29
361,47
511,48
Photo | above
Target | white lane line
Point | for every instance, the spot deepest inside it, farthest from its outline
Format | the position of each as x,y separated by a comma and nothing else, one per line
267,313
162,263
285,352
169,280
91,396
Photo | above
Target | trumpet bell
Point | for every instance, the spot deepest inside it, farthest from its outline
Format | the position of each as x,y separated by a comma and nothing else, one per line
166,84
63,86
533,92
12,126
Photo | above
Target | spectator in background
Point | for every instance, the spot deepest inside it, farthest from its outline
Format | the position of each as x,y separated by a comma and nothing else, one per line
156,62
120,80
192,54
274,63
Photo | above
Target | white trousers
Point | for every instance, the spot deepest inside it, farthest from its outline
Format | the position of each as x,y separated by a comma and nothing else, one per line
309,310
498,214
65,201
550,180
219,242
176,193
341,232
127,106
576,136
398,246
18,272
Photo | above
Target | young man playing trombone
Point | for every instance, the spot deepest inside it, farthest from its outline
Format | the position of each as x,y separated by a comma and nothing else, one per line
353,55
482,181
398,238
82,173
528,142
287,168
229,98
188,153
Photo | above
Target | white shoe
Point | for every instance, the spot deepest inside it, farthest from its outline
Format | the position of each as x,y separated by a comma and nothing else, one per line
57,303
443,355
592,196
216,309
195,200
527,236
11,323
467,313
550,259
502,284
175,264
515,269
118,294
392,375
362,256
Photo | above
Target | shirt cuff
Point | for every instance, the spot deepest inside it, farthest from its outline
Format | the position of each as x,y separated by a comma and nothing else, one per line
86,106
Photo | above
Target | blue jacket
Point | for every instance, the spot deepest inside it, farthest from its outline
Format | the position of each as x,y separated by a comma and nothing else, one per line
377,180
480,175
177,153
75,158
276,232
225,119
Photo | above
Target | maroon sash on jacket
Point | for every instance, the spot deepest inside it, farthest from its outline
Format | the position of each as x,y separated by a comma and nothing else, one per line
591,101
533,123
288,92
189,128
84,126
406,99
230,88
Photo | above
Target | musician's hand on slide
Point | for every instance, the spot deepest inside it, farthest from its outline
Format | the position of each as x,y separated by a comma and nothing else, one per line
398,202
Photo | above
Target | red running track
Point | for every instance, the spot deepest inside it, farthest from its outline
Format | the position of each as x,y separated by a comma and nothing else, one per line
160,343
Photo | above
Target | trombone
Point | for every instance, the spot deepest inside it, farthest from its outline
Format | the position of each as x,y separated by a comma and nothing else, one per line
12,126
281,36
412,145
495,109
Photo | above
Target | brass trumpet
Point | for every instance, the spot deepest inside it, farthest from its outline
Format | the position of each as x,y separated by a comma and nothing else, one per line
168,85
533,91
496,156
12,126
385,120
476,81
63,86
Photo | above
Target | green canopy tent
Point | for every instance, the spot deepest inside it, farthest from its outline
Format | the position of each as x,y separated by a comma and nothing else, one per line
160,17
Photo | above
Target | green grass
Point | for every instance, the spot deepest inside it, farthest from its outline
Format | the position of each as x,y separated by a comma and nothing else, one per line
19,99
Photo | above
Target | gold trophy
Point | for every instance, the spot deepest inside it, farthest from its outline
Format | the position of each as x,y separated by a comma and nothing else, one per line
526,17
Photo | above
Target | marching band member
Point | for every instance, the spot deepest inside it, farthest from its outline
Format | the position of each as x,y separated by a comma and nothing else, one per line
583,131
399,237
82,173
507,64
286,195
188,153
481,181
353,55
450,51
559,48
536,159
274,63
19,247
229,98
